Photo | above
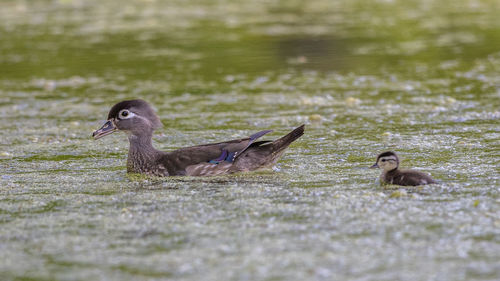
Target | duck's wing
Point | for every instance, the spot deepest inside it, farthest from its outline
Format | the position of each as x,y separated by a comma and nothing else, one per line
414,178
177,161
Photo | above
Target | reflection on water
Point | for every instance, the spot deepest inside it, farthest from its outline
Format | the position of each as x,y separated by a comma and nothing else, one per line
417,77
326,54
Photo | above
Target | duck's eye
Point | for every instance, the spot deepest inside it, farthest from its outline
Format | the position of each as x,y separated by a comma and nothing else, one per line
124,114
383,160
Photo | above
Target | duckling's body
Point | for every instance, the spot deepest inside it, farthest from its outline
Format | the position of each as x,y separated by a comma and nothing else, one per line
405,177
389,162
138,119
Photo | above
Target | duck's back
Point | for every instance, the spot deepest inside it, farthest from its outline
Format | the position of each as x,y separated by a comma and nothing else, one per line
228,157
209,158
407,178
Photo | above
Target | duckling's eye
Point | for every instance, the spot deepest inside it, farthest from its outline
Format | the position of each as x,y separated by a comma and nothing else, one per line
383,160
125,114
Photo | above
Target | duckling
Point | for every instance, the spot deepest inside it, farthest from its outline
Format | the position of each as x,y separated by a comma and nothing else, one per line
389,162
139,121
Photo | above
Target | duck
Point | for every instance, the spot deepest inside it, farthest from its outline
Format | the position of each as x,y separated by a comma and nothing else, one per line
138,119
389,162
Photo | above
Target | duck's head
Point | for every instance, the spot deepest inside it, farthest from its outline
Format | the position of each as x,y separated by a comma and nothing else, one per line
387,161
135,117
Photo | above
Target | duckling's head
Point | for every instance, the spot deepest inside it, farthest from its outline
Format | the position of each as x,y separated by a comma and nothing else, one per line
135,117
387,161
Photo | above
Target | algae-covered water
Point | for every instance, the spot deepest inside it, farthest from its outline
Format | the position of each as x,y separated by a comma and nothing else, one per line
418,77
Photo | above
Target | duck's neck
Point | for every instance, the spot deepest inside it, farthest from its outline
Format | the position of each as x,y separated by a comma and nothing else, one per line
142,155
387,176
392,171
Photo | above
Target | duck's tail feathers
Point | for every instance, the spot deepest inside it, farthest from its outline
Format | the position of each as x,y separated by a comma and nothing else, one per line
283,142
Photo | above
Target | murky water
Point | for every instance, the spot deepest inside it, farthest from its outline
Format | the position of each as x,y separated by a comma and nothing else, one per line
418,77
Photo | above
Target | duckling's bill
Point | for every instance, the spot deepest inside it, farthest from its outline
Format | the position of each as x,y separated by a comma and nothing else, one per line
106,129
374,166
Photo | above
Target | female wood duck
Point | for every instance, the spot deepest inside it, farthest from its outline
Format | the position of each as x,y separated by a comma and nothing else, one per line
138,120
389,162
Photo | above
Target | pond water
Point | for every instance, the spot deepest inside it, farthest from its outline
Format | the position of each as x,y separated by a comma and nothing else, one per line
418,77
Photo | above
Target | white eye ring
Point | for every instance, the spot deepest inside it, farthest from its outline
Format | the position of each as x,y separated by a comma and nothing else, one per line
125,114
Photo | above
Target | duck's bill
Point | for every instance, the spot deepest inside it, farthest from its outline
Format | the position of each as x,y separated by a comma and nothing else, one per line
374,166
106,129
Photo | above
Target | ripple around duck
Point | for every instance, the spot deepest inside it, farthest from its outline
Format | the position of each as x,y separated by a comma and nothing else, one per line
417,77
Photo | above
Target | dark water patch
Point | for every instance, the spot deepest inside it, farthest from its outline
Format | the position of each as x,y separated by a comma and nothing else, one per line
143,272
101,192
56,261
33,277
65,157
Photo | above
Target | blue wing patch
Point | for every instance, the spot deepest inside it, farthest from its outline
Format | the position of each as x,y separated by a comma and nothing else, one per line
225,156
231,156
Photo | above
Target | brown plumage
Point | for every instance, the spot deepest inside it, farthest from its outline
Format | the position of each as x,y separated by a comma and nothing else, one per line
389,162
138,119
